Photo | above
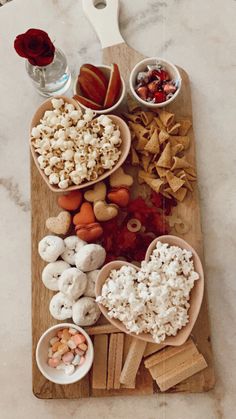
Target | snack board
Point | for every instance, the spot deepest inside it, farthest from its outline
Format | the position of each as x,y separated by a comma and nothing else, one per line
44,205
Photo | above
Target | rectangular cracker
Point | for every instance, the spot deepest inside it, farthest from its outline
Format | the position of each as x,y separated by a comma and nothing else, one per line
151,348
119,358
170,352
101,329
172,365
133,360
99,376
181,372
127,343
111,361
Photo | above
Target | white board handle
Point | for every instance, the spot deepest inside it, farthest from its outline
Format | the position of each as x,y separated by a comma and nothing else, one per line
105,21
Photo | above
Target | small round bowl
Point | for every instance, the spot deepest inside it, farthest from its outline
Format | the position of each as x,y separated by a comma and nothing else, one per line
59,376
141,66
124,148
106,69
195,296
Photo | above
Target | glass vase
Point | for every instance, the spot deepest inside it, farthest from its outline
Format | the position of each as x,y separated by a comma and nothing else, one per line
53,79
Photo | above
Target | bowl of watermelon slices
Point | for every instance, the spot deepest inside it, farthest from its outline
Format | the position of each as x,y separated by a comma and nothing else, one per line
100,88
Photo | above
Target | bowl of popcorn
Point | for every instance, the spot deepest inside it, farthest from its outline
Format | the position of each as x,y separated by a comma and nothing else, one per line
73,149
158,302
100,88
155,82
64,353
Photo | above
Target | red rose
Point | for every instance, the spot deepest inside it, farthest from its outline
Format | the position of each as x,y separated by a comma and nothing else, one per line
36,46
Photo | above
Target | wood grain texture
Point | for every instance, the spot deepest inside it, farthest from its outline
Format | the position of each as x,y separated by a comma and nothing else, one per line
43,205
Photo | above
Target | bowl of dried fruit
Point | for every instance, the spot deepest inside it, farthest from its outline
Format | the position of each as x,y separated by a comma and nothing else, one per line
100,88
73,149
155,82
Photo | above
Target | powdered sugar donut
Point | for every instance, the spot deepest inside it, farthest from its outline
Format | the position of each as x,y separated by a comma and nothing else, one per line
52,272
73,245
50,248
90,257
60,307
72,283
85,311
91,279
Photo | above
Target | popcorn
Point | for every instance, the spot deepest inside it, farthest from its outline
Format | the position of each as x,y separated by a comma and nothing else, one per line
53,179
154,299
72,147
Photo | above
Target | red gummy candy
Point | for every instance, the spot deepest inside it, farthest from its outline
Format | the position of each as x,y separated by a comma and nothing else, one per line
159,97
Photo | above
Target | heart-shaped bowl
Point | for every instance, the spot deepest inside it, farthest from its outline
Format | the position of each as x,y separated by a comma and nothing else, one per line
195,296
124,148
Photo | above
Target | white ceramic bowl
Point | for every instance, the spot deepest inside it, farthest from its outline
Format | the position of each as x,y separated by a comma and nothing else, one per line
59,376
142,66
106,71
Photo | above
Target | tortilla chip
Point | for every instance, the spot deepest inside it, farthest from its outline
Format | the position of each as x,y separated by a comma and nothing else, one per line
132,104
173,130
191,171
138,129
166,118
175,182
178,139
165,158
159,123
141,142
154,184
153,144
180,163
143,176
185,126
165,193
160,171
179,195
134,117
163,136
177,148
187,183
146,117
151,168
134,157
145,160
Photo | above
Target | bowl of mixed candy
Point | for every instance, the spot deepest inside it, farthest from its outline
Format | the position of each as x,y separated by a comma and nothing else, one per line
155,82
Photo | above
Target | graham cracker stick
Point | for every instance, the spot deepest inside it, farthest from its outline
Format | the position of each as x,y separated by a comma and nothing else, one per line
190,367
132,361
99,376
127,343
151,348
101,329
119,358
111,361
169,352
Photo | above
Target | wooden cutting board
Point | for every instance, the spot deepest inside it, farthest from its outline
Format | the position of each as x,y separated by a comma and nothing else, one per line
43,205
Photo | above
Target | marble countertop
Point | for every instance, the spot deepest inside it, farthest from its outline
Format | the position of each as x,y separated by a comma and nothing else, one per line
200,37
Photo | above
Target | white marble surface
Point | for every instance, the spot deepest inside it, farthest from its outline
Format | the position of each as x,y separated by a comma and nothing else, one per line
199,36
